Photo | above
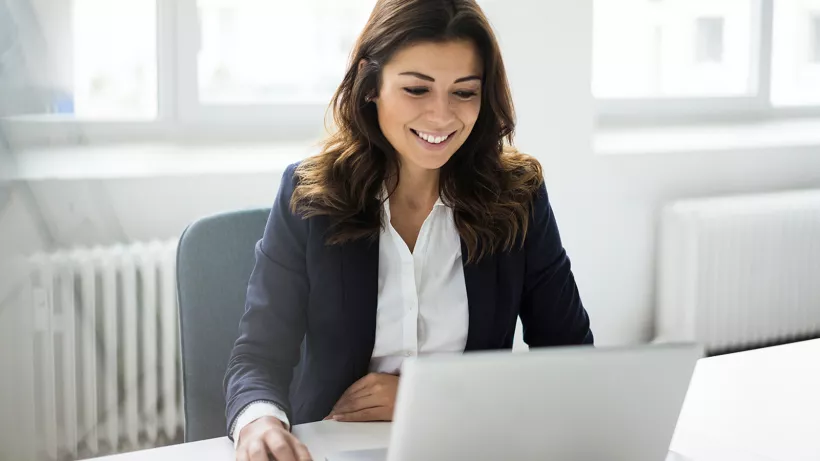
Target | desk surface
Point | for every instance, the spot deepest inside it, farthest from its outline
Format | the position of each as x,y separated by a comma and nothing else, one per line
761,405
322,439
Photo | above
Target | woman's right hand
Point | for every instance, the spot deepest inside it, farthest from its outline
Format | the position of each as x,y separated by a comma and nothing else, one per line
267,437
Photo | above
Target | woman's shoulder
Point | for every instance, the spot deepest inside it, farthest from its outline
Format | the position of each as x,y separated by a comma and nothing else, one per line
523,176
291,173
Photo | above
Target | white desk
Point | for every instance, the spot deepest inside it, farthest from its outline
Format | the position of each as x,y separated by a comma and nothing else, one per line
761,405
322,439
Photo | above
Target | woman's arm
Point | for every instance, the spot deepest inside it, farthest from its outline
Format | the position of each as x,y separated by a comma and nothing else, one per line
551,310
273,325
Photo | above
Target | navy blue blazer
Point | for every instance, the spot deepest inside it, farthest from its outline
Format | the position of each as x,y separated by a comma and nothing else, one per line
314,305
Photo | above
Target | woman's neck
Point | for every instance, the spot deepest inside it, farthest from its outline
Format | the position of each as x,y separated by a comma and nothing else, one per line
417,187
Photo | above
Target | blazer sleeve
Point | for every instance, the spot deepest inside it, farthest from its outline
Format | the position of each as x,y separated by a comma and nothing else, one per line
551,310
273,325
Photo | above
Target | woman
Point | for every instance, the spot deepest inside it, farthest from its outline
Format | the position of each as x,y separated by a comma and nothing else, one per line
414,231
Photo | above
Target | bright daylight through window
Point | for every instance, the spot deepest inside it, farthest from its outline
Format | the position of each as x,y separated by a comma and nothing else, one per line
236,59
671,50
107,64
261,52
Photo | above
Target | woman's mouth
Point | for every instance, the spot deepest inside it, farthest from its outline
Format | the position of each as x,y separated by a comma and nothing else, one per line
431,140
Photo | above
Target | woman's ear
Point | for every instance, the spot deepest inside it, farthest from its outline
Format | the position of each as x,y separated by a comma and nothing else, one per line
370,97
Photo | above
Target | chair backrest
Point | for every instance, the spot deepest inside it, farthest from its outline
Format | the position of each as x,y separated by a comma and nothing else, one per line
214,262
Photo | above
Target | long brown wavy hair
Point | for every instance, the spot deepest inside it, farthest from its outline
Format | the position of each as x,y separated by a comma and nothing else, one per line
488,184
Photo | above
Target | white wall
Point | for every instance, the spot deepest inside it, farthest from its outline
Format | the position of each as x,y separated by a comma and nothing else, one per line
105,211
49,31
607,206
20,233
15,421
548,53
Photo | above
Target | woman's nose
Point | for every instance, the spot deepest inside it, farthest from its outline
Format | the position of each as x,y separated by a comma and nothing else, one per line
440,111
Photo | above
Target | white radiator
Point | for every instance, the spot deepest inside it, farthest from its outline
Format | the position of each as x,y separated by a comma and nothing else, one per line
739,272
106,350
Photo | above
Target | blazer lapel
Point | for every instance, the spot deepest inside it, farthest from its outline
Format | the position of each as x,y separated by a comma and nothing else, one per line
360,273
480,280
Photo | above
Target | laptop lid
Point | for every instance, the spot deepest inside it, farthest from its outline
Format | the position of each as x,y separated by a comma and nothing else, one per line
572,403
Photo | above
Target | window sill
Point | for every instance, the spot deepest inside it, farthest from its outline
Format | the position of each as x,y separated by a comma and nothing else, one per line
768,135
156,160
168,159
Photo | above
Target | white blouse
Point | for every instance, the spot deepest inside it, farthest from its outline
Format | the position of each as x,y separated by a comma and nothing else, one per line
422,302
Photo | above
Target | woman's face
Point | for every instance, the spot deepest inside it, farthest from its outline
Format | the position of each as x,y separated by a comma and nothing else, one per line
429,101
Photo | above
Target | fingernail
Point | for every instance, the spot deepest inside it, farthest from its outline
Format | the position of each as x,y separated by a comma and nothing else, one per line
337,417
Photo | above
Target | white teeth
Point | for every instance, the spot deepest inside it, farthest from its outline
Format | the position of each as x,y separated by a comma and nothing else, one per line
432,139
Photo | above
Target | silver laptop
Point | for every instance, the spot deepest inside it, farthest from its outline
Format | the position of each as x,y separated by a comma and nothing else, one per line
568,404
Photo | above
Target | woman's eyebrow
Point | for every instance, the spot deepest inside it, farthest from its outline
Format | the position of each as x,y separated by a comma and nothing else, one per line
431,79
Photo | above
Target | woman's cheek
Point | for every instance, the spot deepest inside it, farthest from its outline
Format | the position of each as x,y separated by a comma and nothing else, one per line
470,111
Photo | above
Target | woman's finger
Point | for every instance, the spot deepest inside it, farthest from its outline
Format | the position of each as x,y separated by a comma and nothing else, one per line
300,450
257,451
279,447
367,414
242,454
360,403
362,383
346,401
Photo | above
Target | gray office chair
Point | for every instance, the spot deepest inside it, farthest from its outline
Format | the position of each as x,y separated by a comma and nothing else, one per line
214,262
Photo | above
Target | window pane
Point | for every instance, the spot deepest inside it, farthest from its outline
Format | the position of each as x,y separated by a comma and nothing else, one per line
673,48
796,59
709,35
86,58
276,51
115,58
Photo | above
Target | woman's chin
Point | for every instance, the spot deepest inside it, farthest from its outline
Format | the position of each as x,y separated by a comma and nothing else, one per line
431,160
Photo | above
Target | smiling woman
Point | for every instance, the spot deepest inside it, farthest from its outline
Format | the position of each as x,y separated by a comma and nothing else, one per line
418,229
424,114
424,106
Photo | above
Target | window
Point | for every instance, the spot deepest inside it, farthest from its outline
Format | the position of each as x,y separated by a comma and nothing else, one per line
672,48
239,61
796,76
264,61
91,59
709,40
181,66
113,60
682,60
815,38
146,70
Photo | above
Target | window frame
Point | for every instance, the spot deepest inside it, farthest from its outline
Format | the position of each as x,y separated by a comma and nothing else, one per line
180,115
725,109
182,118
284,120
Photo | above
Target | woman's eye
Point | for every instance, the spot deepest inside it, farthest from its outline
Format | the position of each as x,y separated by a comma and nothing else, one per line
418,91
465,94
